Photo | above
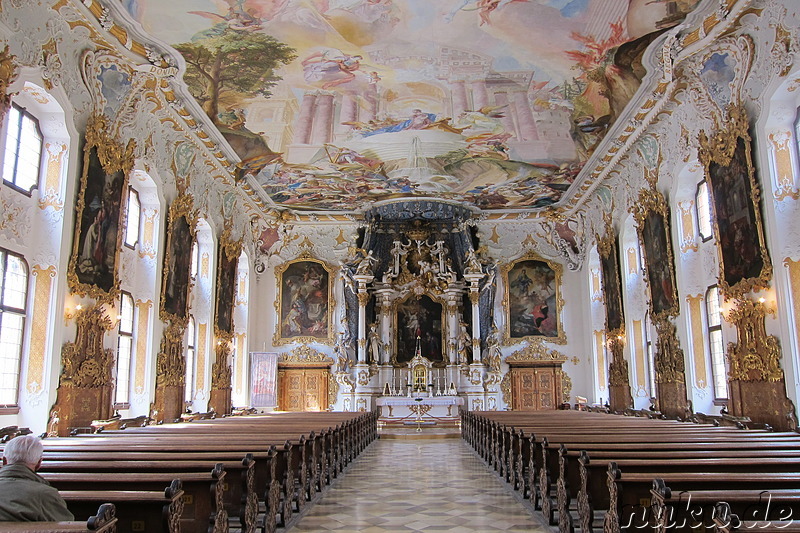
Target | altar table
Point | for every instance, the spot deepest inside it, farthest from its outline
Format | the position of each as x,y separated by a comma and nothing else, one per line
404,408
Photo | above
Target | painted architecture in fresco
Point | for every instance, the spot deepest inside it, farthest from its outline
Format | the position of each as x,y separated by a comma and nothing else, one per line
334,103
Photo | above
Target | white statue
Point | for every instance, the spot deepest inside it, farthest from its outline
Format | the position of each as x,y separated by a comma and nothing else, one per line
366,263
374,344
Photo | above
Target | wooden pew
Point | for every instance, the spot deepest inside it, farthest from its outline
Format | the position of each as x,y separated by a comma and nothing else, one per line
135,510
102,522
726,522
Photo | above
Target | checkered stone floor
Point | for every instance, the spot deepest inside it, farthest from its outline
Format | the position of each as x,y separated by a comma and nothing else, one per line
422,485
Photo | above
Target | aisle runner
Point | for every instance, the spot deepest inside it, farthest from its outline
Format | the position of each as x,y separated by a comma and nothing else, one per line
427,485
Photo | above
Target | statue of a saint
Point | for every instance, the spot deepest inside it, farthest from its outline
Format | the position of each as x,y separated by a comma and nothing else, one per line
374,344
366,263
463,344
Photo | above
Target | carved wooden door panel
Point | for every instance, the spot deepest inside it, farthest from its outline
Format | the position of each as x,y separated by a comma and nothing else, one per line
535,388
523,391
545,389
302,389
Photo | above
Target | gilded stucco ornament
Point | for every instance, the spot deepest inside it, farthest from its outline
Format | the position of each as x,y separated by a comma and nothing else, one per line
756,356
171,359
8,74
84,362
305,354
669,361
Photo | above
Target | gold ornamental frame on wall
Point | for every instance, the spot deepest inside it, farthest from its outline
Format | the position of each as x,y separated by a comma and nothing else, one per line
231,250
290,317
181,207
652,206
608,248
738,229
112,158
557,336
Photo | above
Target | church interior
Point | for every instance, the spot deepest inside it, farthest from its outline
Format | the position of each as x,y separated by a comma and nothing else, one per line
400,214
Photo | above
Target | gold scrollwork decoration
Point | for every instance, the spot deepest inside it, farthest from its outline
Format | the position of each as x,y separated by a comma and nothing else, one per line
181,207
536,352
651,213
333,389
668,359
304,355
113,158
305,301
84,362
756,356
505,389
744,262
531,308
221,371
566,386
8,74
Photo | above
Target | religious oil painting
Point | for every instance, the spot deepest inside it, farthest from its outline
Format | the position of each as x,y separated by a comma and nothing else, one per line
177,268
612,293
331,104
419,324
533,299
305,302
99,227
226,289
657,249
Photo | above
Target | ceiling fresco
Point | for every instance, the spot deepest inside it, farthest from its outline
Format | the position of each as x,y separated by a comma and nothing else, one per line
335,104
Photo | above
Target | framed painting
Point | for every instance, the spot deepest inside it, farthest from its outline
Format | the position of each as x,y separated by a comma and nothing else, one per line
227,268
744,262
652,224
533,300
305,302
177,278
263,379
100,219
608,248
421,317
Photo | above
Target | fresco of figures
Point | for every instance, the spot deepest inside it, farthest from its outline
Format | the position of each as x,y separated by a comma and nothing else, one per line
331,103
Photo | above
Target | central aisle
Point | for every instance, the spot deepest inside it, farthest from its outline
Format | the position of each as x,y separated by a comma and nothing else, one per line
418,485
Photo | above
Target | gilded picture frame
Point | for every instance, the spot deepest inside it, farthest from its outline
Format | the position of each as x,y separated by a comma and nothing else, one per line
611,281
176,281
100,214
533,300
651,214
744,262
305,301
227,268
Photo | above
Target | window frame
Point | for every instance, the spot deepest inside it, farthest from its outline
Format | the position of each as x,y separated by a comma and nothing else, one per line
23,113
718,400
191,346
13,408
130,335
704,238
133,193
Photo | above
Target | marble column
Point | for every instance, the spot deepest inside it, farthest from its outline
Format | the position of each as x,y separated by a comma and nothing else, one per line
474,298
480,97
323,120
302,128
501,99
527,125
459,95
452,297
384,299
363,298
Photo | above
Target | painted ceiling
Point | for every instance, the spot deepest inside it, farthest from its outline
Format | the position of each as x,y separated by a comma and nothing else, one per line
335,104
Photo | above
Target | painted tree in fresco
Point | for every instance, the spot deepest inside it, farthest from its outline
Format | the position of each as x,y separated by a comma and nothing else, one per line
232,60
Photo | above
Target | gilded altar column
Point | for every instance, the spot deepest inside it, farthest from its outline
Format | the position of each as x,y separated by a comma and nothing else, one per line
384,301
363,298
452,296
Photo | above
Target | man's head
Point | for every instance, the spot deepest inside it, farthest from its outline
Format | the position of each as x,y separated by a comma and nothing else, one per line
24,449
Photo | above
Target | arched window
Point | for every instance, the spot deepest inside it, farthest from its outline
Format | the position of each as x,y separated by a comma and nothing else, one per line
23,150
124,352
719,371
191,360
195,260
13,312
702,202
650,354
134,215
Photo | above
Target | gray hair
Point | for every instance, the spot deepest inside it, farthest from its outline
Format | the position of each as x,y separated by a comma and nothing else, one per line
25,449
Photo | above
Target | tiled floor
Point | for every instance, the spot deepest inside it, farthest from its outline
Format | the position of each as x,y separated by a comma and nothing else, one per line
422,485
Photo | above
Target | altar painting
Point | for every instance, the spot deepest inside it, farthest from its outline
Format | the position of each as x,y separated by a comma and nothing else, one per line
177,268
226,288
609,262
658,260
305,302
533,300
424,318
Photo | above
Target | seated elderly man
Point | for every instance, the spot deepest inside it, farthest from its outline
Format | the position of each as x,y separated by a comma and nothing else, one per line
25,496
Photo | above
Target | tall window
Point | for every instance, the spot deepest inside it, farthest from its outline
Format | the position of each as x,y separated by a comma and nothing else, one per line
719,372
191,342
134,214
651,356
124,352
702,202
23,150
13,300
195,260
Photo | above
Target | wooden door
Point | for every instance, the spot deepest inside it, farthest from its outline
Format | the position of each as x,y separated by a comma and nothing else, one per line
303,389
535,388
